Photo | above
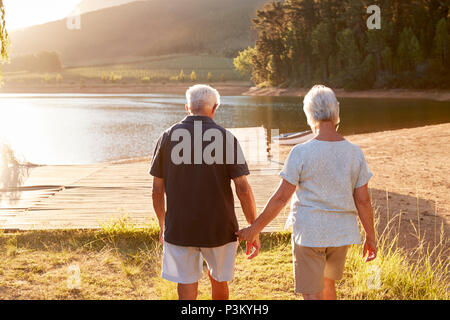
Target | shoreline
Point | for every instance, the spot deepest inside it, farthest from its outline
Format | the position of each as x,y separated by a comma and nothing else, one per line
431,94
231,88
409,187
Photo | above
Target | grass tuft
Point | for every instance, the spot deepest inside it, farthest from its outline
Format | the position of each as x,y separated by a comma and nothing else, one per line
123,261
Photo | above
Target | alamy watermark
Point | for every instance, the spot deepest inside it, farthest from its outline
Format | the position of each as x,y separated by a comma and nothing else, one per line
373,282
73,21
213,146
374,20
74,277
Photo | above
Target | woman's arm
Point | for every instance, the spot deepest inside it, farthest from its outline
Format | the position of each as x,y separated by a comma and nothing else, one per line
365,213
273,207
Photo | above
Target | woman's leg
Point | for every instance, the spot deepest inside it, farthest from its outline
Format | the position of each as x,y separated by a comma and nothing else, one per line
329,292
314,296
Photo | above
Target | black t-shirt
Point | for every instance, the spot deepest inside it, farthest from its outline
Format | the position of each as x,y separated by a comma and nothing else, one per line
197,165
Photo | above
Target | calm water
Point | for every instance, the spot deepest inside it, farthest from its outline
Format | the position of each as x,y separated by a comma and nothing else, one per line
75,129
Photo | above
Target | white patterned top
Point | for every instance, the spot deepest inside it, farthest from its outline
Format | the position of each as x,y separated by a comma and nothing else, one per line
323,211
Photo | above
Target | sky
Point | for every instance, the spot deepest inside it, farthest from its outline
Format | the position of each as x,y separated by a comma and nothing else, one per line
24,13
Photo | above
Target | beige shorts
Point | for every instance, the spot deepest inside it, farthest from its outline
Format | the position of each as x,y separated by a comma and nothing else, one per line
185,264
311,265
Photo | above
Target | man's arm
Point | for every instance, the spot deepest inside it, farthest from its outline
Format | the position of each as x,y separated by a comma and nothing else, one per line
159,203
365,213
247,199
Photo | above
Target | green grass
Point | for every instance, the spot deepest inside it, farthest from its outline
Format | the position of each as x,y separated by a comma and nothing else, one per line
155,69
164,68
122,261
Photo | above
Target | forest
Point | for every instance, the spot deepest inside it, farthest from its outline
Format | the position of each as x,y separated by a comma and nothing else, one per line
302,42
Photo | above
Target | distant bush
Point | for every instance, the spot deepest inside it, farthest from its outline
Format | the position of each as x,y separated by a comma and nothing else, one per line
114,78
193,76
44,61
104,78
181,76
47,78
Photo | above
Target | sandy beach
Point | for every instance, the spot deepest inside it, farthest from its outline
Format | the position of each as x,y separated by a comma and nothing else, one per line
411,170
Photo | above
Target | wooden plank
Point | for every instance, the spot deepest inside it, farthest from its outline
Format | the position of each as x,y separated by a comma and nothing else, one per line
87,196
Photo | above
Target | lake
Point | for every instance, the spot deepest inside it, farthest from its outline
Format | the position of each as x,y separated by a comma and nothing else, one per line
90,128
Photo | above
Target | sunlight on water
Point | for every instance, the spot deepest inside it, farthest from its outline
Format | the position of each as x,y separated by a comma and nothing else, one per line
66,129
13,173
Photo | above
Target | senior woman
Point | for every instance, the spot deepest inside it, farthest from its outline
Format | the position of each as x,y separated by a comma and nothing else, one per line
328,178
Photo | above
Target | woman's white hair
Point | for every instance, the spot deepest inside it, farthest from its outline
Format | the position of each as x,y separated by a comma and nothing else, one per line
320,104
201,96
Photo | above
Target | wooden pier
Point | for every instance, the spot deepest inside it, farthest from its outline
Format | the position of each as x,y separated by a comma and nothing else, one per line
89,196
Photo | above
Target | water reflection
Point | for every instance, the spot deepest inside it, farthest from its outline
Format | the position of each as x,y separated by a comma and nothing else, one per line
12,175
83,128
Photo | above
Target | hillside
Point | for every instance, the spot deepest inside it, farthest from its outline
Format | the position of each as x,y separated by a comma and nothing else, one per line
145,28
94,5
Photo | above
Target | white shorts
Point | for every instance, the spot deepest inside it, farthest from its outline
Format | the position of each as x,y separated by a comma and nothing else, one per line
185,264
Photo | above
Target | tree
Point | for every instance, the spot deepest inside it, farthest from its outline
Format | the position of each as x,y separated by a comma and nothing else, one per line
181,76
322,46
347,50
193,76
243,62
387,59
408,51
270,22
4,38
442,43
304,41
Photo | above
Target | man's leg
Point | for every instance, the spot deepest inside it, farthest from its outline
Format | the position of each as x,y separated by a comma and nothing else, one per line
220,262
187,291
329,292
219,290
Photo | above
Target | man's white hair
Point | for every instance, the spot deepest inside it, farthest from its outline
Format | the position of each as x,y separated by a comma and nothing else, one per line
320,104
201,96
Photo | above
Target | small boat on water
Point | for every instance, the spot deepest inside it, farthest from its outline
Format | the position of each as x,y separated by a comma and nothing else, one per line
294,137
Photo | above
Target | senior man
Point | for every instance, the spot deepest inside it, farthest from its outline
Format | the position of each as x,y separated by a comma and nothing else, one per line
193,165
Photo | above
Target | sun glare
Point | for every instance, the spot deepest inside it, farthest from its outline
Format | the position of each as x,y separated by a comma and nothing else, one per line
25,13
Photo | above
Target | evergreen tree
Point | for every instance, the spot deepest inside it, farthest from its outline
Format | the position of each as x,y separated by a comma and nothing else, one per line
442,44
300,42
408,51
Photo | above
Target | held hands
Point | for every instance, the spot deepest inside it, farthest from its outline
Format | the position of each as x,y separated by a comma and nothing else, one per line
369,249
250,235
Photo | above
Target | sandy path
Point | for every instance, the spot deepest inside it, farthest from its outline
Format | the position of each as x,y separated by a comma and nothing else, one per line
411,175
